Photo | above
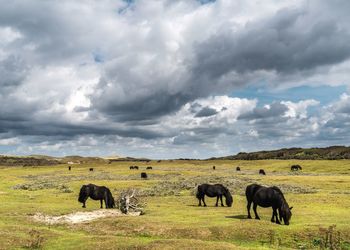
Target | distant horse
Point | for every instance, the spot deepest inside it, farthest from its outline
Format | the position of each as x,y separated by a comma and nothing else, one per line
268,197
149,168
101,193
295,168
217,191
131,167
143,175
69,168
262,172
213,167
91,169
136,167
238,169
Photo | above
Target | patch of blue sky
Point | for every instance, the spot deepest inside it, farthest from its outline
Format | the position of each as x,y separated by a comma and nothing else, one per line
127,6
324,94
98,57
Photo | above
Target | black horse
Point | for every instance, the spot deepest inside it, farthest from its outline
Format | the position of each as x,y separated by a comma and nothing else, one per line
101,193
295,168
213,167
217,191
262,172
144,175
69,168
91,169
238,169
268,197
149,167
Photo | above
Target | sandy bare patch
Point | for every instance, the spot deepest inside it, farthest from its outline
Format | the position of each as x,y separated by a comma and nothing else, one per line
81,217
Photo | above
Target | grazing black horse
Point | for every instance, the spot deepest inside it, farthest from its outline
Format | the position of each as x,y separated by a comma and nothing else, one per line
262,171
131,167
217,191
213,167
69,168
295,168
144,175
238,169
91,169
149,168
268,197
136,167
101,193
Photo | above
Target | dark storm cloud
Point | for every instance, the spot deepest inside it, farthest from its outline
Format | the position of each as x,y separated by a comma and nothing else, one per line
206,111
274,110
13,71
289,42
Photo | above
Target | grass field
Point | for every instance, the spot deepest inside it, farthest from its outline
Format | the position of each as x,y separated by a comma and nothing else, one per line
320,195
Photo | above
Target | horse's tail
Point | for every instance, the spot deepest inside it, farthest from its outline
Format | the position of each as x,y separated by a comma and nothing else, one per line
82,193
198,194
110,199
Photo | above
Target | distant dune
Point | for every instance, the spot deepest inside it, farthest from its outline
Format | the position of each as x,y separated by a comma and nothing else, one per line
328,153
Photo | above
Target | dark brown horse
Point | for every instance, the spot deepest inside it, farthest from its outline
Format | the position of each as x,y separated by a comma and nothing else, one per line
268,197
217,191
101,193
295,168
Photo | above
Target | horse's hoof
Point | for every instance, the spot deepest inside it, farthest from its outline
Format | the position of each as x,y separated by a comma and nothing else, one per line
205,205
249,217
257,218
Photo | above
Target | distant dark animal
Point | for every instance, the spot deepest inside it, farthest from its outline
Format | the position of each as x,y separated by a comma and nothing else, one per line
101,193
159,161
136,167
143,175
213,167
149,168
217,191
262,171
69,168
268,197
238,169
295,168
131,167
91,169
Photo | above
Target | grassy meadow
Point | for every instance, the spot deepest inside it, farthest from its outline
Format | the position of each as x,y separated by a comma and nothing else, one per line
319,194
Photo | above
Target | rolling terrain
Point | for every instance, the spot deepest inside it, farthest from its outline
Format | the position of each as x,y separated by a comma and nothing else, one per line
172,220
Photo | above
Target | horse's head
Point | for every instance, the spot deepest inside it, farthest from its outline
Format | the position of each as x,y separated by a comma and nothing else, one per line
229,199
286,213
84,192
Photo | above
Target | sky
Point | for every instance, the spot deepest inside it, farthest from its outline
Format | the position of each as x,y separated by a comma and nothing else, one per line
173,78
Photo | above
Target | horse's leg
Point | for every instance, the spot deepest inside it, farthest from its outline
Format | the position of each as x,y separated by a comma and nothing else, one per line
84,205
222,204
256,214
217,200
274,213
248,208
277,220
204,201
101,203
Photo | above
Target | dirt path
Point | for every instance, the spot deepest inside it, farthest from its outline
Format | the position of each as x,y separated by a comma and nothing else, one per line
80,217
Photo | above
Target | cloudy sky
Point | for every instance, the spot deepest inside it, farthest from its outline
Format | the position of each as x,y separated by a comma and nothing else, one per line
173,78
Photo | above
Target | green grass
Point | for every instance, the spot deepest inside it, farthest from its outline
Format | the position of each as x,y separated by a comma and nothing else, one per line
319,194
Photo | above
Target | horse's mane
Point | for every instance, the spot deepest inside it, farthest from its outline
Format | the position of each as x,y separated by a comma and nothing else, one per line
278,190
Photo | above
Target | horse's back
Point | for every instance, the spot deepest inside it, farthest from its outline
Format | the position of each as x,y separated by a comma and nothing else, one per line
268,196
251,190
